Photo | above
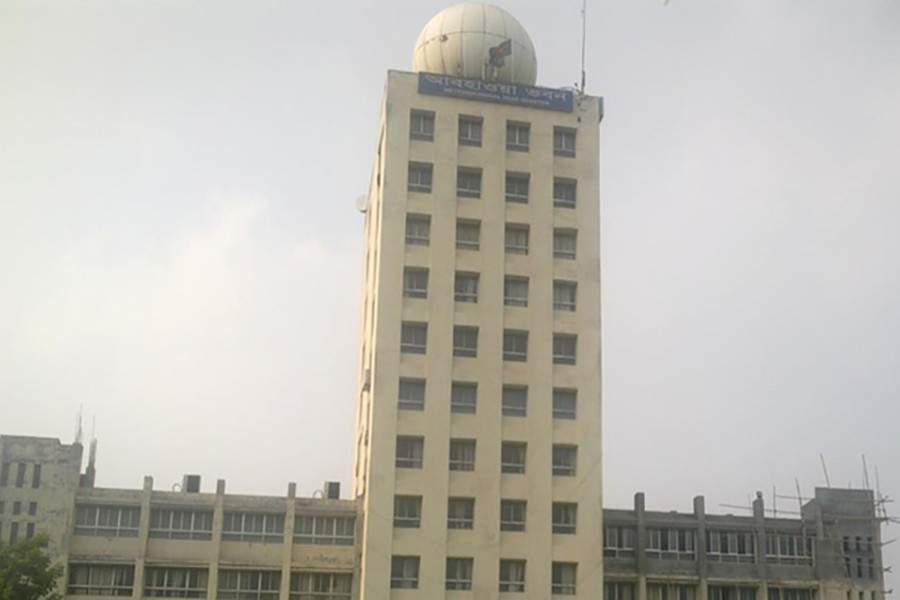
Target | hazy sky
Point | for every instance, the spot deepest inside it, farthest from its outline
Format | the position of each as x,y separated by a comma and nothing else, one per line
181,257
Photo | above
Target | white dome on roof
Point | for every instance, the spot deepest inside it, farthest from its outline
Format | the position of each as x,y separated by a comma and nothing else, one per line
459,41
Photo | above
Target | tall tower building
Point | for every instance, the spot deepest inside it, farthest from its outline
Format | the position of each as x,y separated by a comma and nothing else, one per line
478,457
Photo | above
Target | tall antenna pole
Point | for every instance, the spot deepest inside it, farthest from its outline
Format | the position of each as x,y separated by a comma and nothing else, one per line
583,40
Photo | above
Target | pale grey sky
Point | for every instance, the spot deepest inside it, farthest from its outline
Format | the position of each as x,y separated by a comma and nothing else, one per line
180,254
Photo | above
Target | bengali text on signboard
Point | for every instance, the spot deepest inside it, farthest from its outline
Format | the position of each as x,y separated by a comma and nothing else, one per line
495,91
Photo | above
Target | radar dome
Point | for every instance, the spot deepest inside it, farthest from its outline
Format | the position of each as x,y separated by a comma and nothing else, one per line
478,41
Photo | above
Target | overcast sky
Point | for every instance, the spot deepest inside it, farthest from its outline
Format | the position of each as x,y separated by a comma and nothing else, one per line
181,257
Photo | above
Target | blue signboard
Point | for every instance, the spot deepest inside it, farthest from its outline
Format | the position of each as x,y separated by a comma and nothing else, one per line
496,91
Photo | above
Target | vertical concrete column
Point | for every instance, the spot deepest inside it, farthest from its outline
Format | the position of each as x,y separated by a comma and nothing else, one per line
819,559
143,536
288,544
762,569
212,589
640,546
702,565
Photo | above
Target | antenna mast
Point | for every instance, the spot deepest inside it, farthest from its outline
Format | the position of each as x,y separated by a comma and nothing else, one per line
583,40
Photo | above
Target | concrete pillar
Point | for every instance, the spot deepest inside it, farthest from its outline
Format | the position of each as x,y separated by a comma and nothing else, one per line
640,546
762,569
288,544
218,521
702,566
143,537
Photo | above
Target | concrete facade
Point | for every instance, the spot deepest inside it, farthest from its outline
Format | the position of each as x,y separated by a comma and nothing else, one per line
448,311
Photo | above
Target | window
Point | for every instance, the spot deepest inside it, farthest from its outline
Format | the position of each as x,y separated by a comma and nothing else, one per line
776,593
564,193
517,135
29,530
515,345
415,283
618,541
512,575
466,287
468,234
267,528
324,530
171,582
465,341
671,591
565,516
421,125
515,401
564,295
17,507
515,291
564,346
100,580
565,403
321,586
410,450
565,460
460,513
517,239
413,337
412,394
249,585
721,592
407,511
14,532
512,457
462,455
181,524
618,590
517,187
789,549
459,573
564,578
468,183
563,141
463,397
731,546
32,509
419,178
107,521
20,475
405,572
418,230
4,474
512,515
564,243
674,544
470,131
36,476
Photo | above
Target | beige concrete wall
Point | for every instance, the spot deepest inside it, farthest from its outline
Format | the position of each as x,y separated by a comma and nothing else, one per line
385,309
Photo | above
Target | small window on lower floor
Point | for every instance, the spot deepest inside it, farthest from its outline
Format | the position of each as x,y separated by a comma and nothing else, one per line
407,511
459,573
512,515
515,345
564,348
321,586
512,457
413,337
405,572
565,460
468,234
565,403
514,401
460,513
418,230
174,582
462,455
565,243
412,394
463,397
468,183
410,451
564,295
565,517
564,577
515,291
465,341
512,575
